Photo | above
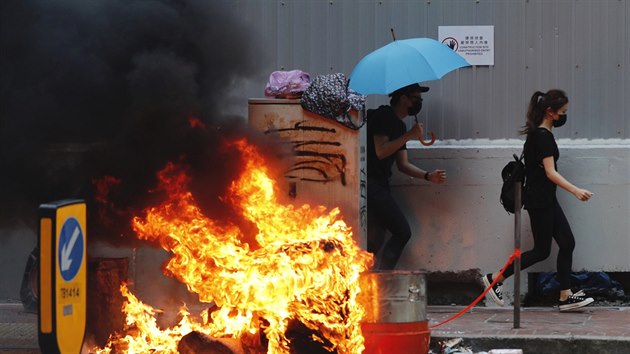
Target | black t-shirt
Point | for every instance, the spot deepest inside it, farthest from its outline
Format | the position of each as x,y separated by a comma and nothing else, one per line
382,121
540,192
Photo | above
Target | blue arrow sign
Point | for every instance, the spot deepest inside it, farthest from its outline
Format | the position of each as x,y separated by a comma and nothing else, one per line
71,244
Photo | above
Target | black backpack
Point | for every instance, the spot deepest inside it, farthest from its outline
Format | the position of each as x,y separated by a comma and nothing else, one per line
513,172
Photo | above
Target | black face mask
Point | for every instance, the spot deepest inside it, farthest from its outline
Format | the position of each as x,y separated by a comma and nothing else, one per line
560,122
415,109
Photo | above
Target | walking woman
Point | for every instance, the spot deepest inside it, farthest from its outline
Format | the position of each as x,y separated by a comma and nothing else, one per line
546,111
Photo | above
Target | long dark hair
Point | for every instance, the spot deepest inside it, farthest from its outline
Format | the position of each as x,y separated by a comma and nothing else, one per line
538,104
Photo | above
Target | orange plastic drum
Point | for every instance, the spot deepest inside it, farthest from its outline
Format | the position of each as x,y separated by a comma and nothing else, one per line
399,338
395,305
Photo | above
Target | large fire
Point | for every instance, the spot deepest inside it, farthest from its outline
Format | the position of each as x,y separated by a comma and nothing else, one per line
304,268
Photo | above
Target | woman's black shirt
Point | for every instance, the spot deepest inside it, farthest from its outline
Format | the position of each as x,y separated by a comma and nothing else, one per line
540,192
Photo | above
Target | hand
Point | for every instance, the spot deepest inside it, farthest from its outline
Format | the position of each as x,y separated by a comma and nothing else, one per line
418,130
437,176
582,194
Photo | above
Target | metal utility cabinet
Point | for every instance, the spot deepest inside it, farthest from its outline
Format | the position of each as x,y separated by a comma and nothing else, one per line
328,159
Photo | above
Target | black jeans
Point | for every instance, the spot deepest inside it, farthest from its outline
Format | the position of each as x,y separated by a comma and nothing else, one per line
550,223
384,214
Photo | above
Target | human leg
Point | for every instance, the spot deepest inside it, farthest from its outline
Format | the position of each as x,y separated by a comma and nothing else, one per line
376,193
542,232
389,216
566,244
401,233
375,231
542,223
384,214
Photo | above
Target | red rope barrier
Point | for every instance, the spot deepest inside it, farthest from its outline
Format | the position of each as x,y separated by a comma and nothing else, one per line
516,254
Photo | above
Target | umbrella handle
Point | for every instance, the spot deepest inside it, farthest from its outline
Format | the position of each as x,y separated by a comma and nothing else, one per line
422,141
430,142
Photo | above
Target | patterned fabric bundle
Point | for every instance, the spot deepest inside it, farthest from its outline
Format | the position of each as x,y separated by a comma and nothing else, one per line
328,95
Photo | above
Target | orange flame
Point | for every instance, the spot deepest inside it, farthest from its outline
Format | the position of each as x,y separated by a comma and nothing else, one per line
196,122
103,187
142,332
304,268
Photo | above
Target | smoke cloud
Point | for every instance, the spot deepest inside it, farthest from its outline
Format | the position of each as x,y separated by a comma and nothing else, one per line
109,88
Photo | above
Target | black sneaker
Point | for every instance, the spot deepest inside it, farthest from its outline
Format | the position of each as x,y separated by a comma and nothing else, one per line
575,301
497,290
580,293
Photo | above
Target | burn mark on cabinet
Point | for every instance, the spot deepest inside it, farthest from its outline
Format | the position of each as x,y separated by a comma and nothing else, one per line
299,126
319,156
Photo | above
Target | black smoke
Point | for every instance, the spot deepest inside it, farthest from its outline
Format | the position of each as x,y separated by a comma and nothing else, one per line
108,88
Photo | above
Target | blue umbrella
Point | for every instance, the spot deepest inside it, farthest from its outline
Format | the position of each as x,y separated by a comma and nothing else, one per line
403,62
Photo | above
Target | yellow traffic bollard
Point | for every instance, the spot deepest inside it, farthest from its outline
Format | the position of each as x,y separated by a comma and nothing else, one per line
62,276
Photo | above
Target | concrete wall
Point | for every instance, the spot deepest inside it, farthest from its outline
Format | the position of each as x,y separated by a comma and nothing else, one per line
461,225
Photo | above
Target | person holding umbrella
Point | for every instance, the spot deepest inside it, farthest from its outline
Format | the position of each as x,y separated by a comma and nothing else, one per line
546,111
394,70
387,136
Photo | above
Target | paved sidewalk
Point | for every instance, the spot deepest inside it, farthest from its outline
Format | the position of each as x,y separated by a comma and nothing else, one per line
18,330
543,330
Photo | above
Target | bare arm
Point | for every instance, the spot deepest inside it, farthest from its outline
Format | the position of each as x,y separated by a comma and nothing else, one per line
384,147
555,177
406,167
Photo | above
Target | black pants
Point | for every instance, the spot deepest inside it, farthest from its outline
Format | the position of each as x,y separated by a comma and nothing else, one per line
384,214
550,223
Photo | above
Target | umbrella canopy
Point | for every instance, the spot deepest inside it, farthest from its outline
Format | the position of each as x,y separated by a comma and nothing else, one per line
401,63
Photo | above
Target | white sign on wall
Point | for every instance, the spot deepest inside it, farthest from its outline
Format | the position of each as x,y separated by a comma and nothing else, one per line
474,43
